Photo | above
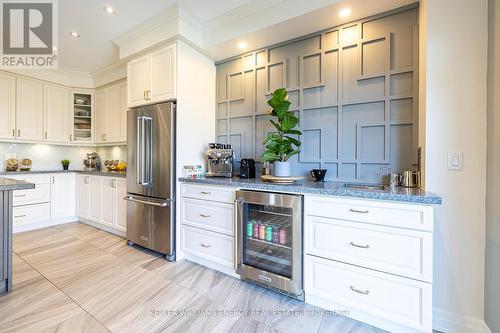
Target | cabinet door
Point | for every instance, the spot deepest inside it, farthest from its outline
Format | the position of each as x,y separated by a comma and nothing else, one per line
7,106
108,212
113,114
138,81
123,112
82,196
29,111
100,111
95,185
121,204
163,72
56,114
62,195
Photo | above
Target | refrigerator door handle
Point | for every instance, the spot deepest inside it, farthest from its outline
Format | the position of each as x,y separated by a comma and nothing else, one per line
162,204
238,256
139,151
147,128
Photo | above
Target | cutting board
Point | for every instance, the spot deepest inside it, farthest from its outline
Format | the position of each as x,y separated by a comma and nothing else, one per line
282,180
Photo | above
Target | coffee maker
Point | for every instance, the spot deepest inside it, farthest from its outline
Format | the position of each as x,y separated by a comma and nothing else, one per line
219,160
93,162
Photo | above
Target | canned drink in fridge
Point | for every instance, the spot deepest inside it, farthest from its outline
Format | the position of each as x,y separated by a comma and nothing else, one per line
250,228
269,233
262,232
276,235
255,230
283,236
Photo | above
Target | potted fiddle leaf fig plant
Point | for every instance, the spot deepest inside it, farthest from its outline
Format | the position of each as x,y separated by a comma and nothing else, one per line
280,146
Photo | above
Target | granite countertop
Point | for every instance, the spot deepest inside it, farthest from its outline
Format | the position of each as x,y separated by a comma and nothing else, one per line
7,184
121,174
401,194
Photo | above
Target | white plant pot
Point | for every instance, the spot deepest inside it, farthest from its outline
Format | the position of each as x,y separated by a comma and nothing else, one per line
282,169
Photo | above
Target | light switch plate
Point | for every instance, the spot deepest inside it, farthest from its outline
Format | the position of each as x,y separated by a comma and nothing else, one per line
455,160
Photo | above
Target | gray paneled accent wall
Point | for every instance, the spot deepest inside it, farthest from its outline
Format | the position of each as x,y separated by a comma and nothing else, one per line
353,87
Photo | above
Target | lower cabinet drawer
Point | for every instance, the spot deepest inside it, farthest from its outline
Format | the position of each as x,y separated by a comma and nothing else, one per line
208,245
211,216
39,194
211,193
391,250
404,301
31,213
33,178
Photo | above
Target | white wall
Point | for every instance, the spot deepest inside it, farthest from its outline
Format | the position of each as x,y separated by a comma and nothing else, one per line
455,120
492,279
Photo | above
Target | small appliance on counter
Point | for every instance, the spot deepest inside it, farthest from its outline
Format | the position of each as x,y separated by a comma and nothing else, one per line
318,174
93,162
220,159
410,179
247,168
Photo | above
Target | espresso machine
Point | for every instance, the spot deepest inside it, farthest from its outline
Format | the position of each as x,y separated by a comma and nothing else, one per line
93,162
219,160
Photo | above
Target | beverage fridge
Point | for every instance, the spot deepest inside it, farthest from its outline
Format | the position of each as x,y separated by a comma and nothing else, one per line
269,240
151,178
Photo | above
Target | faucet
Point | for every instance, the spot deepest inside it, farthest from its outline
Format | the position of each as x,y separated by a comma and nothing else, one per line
382,168
394,179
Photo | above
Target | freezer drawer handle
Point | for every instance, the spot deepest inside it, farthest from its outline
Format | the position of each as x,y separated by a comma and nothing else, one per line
156,204
364,292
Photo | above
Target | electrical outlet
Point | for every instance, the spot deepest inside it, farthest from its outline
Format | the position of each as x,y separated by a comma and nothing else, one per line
455,160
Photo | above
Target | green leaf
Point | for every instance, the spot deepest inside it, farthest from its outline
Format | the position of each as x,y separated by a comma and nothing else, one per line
278,127
295,152
289,122
294,141
269,157
292,131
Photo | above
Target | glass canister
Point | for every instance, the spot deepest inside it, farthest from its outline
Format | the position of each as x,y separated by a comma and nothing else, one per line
269,233
262,231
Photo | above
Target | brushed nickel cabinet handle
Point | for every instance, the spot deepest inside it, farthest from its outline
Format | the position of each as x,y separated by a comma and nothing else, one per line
359,291
204,215
205,192
145,95
149,94
205,245
71,137
45,135
13,133
352,210
19,216
20,196
18,133
360,246
53,179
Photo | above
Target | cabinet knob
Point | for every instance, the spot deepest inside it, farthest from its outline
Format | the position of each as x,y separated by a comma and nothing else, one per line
18,133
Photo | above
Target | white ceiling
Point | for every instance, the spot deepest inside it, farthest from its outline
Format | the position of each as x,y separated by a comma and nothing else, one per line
225,22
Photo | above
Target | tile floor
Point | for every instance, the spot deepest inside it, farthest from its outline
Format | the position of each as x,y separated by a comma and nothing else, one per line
76,278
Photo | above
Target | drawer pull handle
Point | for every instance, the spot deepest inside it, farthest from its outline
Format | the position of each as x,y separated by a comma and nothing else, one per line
205,245
204,215
20,196
360,246
352,210
205,192
18,216
359,291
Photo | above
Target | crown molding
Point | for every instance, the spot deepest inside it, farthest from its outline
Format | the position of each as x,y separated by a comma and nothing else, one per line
73,79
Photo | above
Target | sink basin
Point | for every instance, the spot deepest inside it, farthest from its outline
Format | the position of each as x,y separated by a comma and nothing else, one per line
365,187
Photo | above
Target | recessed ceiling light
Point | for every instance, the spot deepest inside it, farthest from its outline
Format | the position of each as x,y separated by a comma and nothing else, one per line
110,10
242,45
74,34
345,12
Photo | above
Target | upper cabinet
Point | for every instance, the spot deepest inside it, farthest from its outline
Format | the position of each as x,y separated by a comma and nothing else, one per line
56,114
152,78
29,114
7,106
111,112
82,116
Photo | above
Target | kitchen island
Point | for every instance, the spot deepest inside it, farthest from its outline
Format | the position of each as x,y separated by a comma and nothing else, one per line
7,186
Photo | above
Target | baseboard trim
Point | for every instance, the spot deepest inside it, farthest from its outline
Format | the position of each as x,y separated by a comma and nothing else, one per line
103,227
43,224
448,322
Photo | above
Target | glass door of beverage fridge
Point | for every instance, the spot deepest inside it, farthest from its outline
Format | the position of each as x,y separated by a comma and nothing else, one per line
270,239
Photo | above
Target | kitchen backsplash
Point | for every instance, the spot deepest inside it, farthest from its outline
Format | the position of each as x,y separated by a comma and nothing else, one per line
48,157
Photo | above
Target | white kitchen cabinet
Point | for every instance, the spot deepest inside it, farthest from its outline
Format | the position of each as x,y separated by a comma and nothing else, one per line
152,78
108,213
89,197
56,114
29,110
62,195
7,106
121,204
82,116
111,110
82,196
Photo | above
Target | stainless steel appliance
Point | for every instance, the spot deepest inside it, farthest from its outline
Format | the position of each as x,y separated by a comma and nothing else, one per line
93,162
219,160
269,240
151,178
410,179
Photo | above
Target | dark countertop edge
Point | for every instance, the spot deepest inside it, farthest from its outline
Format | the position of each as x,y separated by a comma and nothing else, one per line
6,174
427,198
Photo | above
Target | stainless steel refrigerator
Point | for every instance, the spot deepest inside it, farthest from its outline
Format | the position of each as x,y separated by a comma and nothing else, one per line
151,178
